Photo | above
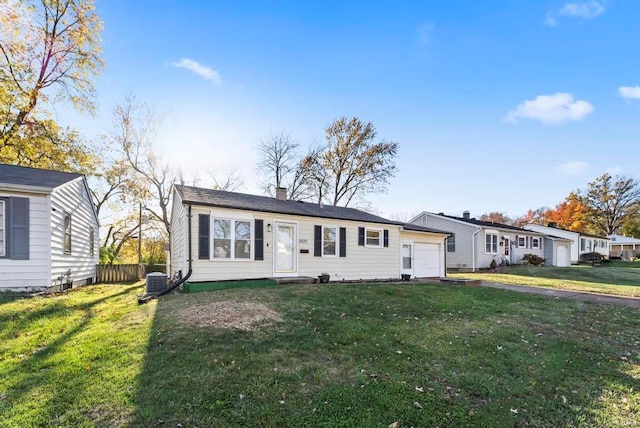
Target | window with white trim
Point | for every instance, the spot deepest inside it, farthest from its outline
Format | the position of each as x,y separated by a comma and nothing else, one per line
373,237
231,239
329,241
522,241
491,243
535,242
3,230
451,244
67,233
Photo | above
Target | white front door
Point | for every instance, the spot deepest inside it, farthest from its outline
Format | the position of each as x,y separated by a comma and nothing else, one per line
426,259
406,259
286,259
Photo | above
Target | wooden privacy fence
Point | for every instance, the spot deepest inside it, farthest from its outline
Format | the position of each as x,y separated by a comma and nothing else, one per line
106,274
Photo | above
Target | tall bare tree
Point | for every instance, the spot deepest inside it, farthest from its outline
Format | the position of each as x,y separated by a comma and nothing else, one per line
230,180
610,201
135,129
354,164
281,166
49,51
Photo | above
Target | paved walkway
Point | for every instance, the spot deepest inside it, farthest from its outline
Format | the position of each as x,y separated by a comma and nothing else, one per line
633,302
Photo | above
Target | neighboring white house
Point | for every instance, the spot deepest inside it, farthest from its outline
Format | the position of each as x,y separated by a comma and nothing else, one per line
48,230
475,243
581,243
241,236
624,247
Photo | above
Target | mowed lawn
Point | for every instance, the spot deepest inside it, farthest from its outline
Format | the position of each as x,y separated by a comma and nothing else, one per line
615,278
320,355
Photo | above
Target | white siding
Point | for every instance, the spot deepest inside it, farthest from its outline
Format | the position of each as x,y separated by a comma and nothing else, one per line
462,258
32,274
360,262
178,235
73,198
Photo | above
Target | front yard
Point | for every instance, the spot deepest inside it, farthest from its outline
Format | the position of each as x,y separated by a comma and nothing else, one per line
615,278
334,355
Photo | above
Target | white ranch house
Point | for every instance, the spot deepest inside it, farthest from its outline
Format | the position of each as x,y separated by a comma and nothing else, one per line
624,247
48,230
240,236
475,243
581,243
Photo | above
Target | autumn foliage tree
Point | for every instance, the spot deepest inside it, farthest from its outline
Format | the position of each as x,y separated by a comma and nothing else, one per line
609,201
569,214
496,217
49,52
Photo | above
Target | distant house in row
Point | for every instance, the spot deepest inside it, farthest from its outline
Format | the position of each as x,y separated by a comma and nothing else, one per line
475,243
581,243
624,247
48,230
220,235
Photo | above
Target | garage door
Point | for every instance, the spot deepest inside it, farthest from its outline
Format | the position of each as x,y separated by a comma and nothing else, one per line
427,260
562,259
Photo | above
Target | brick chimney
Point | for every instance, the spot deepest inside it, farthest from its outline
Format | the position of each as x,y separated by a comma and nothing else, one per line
281,193
466,215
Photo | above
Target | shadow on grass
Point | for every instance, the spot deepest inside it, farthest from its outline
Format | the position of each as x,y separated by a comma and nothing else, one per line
346,355
41,371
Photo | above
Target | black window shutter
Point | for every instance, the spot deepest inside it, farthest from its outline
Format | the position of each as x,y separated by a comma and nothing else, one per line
258,252
361,236
386,237
317,241
204,223
19,228
343,242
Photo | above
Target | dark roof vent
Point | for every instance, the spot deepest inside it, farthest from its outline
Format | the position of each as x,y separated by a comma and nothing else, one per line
466,215
552,224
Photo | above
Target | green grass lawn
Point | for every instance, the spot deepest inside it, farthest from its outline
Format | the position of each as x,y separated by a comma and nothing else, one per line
607,279
330,355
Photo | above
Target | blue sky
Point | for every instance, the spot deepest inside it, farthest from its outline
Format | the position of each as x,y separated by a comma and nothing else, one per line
497,106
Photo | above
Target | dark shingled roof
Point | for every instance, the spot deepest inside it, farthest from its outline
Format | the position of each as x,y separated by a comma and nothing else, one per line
243,201
24,176
489,224
417,228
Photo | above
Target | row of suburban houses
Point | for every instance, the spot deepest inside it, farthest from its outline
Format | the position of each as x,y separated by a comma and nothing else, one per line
49,237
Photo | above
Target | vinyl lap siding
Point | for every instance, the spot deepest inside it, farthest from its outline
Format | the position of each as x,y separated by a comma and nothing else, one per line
32,274
178,236
73,198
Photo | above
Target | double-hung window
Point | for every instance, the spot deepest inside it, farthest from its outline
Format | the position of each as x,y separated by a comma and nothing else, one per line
373,237
3,229
451,244
522,241
329,241
535,242
491,243
231,239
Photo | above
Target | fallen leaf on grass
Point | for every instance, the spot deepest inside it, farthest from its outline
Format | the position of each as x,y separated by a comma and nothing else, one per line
417,405
393,425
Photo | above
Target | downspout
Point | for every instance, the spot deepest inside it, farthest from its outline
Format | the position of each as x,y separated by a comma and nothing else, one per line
149,297
473,250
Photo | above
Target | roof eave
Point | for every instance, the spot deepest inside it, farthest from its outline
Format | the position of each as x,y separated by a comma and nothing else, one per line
11,187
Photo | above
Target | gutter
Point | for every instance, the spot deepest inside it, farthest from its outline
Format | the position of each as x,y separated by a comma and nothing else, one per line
473,250
148,297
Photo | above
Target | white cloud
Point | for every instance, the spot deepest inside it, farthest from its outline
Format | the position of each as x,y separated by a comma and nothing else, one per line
425,34
585,10
555,109
573,167
201,70
629,92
